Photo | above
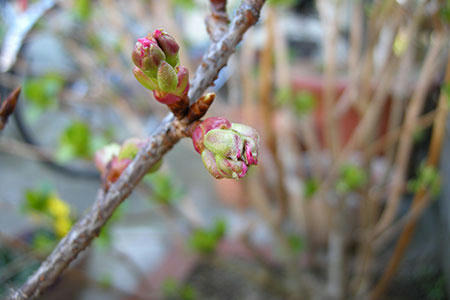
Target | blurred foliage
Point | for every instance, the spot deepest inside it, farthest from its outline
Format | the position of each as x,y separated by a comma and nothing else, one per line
163,189
75,142
106,280
185,4
446,91
445,11
311,187
351,177
82,9
302,102
42,92
44,204
173,289
296,243
205,241
428,178
282,2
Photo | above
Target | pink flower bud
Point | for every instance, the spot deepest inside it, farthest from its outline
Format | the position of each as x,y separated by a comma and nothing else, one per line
105,155
144,79
251,142
201,130
224,142
168,44
130,148
183,81
147,56
209,161
227,149
167,78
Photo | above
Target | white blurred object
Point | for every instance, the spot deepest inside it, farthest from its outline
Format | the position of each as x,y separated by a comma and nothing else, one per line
18,24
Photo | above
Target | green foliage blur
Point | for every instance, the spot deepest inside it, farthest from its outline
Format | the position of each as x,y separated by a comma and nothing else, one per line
205,241
351,178
173,289
427,178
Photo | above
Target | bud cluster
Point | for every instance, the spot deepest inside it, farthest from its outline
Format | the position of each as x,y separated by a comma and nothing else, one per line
157,67
113,159
227,149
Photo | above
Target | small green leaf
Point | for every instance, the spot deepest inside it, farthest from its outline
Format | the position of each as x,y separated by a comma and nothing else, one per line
311,187
352,177
296,243
205,241
304,102
427,178
163,189
43,91
75,142
82,9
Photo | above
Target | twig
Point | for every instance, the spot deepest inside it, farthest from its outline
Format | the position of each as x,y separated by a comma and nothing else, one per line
161,141
420,197
217,22
405,144
8,106
265,94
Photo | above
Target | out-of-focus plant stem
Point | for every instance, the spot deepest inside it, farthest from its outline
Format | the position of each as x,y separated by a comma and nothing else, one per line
406,139
266,94
420,199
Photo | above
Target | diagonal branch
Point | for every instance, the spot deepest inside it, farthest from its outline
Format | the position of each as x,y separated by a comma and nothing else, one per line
160,142
217,22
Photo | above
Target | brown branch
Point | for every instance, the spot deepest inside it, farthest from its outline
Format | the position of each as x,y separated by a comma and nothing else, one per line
8,106
217,22
162,140
419,198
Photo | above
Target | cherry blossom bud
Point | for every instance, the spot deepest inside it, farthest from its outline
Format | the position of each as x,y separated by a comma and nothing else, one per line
168,45
105,155
227,149
251,142
209,161
201,130
224,142
157,69
147,56
167,78
144,79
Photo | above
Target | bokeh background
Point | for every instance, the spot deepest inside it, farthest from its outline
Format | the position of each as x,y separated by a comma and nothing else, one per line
306,76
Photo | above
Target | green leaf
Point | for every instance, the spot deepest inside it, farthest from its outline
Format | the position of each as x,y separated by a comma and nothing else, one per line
296,243
75,141
282,2
185,4
82,9
304,102
163,189
311,187
205,241
43,91
427,178
446,91
36,199
351,177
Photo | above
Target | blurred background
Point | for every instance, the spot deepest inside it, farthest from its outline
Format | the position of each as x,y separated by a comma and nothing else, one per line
349,200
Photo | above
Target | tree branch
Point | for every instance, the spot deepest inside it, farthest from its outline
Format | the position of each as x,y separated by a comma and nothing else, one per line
161,141
217,22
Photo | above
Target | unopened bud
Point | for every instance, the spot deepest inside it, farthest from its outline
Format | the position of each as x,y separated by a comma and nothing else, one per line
167,78
227,149
224,142
251,142
168,45
144,79
204,127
